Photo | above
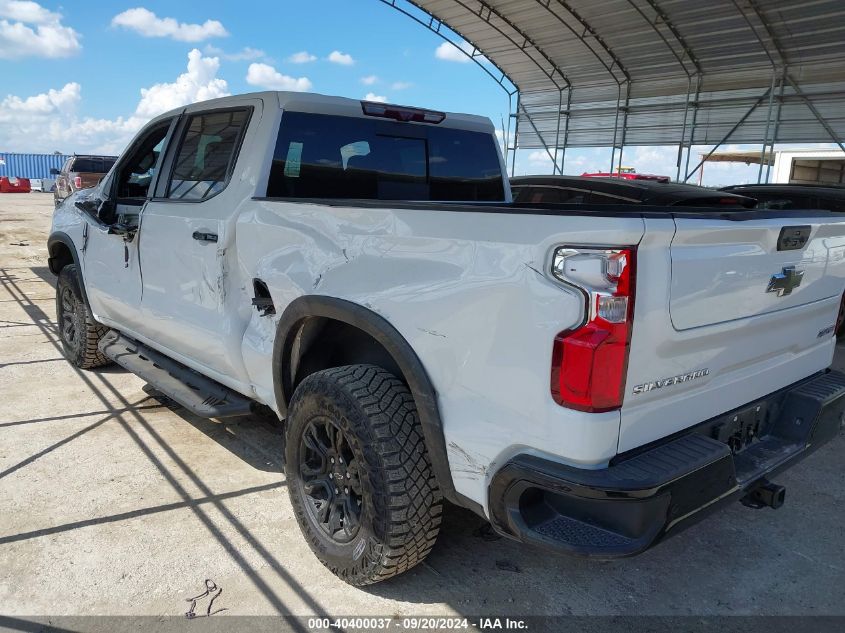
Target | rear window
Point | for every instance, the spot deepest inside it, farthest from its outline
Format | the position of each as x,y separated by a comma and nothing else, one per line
92,165
206,154
323,156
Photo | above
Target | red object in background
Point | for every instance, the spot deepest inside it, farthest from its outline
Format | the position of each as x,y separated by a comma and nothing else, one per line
10,184
627,176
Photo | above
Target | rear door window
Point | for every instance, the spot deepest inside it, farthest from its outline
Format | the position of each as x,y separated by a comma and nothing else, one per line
324,156
206,154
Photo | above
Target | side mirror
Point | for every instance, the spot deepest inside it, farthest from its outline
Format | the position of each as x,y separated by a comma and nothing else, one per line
107,212
102,210
55,172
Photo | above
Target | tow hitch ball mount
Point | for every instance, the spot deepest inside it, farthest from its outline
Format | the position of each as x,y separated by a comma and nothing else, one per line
765,495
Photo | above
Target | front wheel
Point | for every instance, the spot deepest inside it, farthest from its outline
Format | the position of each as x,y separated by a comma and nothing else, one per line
359,475
79,332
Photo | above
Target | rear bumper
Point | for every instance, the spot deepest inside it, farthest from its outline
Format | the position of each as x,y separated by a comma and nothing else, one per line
649,494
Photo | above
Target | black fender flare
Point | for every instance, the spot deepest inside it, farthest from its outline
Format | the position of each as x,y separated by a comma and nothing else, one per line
60,237
425,397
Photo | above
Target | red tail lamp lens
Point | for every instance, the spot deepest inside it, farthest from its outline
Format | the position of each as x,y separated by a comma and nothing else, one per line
590,363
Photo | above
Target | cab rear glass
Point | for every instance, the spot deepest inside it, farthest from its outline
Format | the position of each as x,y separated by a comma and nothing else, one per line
94,165
327,156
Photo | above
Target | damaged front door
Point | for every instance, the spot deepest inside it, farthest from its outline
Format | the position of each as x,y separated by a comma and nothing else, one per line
187,230
113,214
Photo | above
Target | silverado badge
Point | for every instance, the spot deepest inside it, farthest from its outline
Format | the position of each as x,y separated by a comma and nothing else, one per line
674,380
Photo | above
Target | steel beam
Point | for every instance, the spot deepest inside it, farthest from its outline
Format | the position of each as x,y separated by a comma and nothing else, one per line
566,129
595,36
430,25
534,127
730,133
526,39
675,33
768,125
683,131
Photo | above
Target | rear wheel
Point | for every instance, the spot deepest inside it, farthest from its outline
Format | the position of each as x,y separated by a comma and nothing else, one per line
79,332
359,475
840,318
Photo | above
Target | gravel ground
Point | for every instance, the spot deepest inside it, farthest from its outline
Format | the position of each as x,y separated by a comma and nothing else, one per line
113,504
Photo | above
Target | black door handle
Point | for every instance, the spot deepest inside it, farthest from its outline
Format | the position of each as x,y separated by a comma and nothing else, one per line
204,237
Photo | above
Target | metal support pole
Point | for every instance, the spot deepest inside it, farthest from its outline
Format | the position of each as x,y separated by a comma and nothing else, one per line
624,122
508,132
777,125
692,126
730,133
515,136
768,125
683,131
557,129
566,128
536,131
615,128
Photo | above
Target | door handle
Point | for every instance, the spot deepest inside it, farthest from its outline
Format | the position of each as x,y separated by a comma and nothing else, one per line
204,237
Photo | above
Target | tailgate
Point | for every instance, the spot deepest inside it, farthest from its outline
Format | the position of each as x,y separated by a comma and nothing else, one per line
724,270
726,312
90,179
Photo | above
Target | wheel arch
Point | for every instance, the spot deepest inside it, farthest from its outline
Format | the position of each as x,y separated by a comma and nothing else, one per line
351,314
62,252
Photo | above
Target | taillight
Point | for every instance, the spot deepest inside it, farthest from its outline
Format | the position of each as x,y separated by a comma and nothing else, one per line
589,363
77,182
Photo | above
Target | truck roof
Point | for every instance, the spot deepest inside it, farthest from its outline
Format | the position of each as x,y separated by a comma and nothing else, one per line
339,106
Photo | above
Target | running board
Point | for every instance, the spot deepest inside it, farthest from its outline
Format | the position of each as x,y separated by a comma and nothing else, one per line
197,393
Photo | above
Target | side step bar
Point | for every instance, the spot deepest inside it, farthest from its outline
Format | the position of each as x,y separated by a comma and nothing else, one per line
197,393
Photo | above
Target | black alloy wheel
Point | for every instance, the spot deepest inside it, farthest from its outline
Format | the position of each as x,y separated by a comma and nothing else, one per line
330,480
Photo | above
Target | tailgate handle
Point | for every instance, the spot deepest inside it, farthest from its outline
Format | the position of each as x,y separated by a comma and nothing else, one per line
204,237
792,238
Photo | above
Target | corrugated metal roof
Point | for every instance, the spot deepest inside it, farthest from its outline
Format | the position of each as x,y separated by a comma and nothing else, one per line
30,165
652,61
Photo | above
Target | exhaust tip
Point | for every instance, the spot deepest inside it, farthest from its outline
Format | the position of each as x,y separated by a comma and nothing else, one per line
765,495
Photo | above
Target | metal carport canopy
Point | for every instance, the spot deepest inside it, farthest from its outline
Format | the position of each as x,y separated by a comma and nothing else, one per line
608,73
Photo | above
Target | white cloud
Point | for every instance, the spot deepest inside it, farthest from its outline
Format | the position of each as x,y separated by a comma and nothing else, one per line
148,24
199,83
370,96
400,85
49,121
540,158
344,59
29,30
302,57
246,54
26,11
369,80
265,76
54,101
451,53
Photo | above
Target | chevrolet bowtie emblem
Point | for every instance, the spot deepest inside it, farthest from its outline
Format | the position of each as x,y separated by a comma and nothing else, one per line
784,282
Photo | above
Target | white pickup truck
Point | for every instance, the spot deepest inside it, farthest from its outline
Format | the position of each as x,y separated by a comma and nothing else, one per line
588,378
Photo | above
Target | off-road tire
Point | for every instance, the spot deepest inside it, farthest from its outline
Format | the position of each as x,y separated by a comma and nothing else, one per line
78,331
401,502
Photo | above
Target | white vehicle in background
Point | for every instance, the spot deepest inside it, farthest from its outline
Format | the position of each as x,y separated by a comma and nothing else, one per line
44,185
589,379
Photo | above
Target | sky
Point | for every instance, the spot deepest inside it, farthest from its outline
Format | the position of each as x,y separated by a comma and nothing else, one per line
85,76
